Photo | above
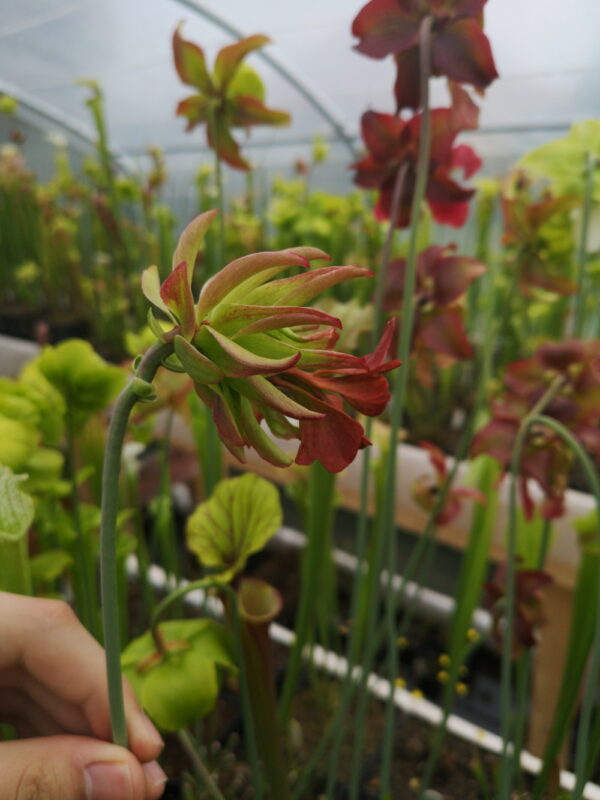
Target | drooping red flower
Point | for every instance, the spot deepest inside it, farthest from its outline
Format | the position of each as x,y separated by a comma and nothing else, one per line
439,336
460,49
425,490
255,351
529,612
546,458
393,143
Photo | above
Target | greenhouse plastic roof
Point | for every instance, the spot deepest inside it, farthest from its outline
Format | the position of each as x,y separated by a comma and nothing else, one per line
546,51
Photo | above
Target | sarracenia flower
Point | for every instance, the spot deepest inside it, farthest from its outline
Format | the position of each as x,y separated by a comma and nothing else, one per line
393,144
425,489
231,97
574,366
460,49
254,350
529,614
442,279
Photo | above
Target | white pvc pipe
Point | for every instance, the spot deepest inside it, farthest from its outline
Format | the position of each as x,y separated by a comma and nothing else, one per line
336,665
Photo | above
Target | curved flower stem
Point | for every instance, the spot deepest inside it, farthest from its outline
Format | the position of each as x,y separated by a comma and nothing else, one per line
108,533
220,193
587,704
578,315
507,759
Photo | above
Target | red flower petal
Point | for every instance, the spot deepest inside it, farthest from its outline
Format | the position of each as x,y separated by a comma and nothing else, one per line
176,294
464,112
465,158
443,332
381,134
368,394
452,276
229,58
407,83
462,51
220,139
250,111
333,440
190,63
384,27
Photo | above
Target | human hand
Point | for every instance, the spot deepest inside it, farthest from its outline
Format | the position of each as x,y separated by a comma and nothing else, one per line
53,690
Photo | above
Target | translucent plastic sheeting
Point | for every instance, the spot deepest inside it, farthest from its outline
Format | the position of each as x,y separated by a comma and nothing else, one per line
546,51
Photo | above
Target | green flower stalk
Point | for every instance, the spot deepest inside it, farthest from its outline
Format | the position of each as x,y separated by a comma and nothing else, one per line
253,350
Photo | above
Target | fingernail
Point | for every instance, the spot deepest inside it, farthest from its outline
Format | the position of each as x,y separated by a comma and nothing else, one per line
155,776
107,780
147,731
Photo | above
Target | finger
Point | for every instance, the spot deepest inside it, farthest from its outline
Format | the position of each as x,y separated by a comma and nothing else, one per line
75,768
46,638
16,708
68,718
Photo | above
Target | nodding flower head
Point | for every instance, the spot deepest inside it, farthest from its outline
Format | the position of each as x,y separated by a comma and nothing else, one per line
255,351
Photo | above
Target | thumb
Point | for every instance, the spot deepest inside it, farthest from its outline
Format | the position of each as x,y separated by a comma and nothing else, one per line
75,768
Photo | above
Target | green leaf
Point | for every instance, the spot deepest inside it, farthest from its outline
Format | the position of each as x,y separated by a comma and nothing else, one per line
44,468
181,685
84,379
240,517
49,566
562,161
18,443
16,507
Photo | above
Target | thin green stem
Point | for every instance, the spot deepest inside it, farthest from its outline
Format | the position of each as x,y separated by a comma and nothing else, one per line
578,318
587,705
199,767
399,398
387,253
220,193
320,509
525,664
507,758
108,534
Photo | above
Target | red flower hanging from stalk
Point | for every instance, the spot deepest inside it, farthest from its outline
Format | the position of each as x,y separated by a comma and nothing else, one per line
425,491
460,49
439,336
393,144
255,350
573,367
529,612
232,96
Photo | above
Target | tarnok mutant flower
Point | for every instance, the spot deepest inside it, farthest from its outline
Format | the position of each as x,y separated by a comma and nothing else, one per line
254,350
